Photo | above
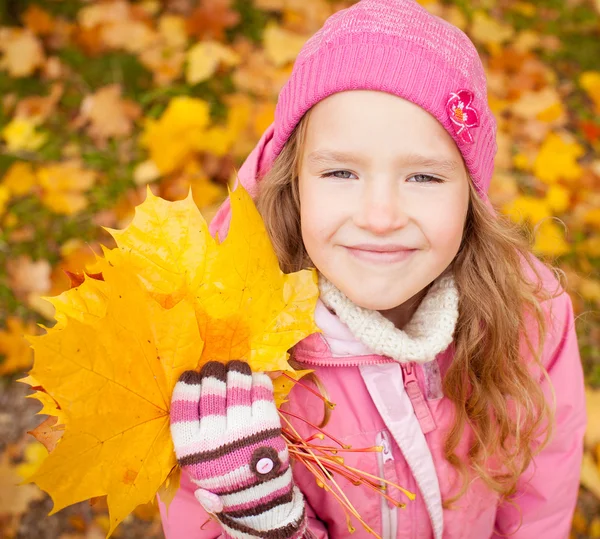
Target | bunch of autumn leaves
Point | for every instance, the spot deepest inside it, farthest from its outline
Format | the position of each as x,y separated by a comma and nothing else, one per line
107,368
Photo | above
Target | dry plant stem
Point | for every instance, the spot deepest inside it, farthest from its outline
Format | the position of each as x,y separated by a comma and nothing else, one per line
357,480
408,494
348,507
374,449
345,502
345,473
315,427
364,476
328,403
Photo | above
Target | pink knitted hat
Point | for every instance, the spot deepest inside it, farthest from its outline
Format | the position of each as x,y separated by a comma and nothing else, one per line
394,46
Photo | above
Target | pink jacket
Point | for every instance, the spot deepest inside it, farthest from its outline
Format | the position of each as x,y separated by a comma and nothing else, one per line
378,402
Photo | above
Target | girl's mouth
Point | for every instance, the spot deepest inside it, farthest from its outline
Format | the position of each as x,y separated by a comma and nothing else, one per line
381,256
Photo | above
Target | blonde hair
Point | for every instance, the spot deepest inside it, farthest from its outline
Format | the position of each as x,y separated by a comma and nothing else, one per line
494,390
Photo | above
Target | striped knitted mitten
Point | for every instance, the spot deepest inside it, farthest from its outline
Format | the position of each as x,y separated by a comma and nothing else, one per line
227,436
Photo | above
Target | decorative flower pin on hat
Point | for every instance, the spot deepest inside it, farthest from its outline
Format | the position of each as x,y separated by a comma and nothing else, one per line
462,115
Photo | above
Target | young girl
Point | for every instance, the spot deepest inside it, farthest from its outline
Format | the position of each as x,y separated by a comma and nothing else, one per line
445,341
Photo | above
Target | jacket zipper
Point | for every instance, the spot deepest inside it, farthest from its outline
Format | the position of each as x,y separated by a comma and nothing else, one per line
355,361
387,470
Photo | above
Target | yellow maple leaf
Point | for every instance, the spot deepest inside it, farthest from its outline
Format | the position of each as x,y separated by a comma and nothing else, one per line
172,139
527,208
128,34
557,159
590,82
49,405
539,104
19,178
550,240
111,361
246,307
492,33
64,185
108,114
20,134
22,51
113,377
281,46
558,198
204,58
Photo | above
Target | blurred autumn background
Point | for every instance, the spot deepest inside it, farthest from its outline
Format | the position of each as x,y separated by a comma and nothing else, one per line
100,99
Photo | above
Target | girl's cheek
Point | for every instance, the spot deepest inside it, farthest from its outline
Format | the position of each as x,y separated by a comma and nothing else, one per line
444,221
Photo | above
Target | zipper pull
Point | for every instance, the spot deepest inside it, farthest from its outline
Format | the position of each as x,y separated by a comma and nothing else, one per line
389,468
387,451
413,391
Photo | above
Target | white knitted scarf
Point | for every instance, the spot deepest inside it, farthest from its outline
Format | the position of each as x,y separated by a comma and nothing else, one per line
429,331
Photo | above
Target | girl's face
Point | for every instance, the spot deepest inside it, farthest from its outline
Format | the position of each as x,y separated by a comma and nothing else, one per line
378,172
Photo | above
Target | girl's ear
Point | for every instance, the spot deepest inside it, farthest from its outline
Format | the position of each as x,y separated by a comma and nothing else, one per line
254,167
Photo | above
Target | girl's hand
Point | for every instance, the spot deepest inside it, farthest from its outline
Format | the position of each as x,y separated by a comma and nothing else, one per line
227,436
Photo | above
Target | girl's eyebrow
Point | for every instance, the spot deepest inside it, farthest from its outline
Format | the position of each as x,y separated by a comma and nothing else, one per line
413,159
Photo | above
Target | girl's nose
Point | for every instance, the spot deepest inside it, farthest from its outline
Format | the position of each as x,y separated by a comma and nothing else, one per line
381,210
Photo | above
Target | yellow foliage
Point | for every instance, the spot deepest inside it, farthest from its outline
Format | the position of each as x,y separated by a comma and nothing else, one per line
20,134
527,208
174,137
22,52
112,377
14,347
486,30
522,162
525,8
281,46
590,477
112,359
108,114
204,58
64,186
19,178
545,105
590,246
590,290
557,159
590,82
549,239
35,454
172,30
592,217
4,198
558,198
14,498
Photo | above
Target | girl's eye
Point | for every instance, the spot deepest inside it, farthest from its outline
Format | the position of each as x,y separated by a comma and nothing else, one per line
330,174
427,179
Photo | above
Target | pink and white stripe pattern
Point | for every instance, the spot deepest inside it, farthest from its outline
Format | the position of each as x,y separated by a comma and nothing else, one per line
227,436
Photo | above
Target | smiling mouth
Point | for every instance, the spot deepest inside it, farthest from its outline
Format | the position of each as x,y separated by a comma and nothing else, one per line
380,256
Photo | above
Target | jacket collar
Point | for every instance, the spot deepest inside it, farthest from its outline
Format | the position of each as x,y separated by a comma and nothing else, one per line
350,330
